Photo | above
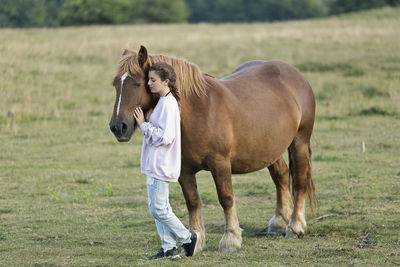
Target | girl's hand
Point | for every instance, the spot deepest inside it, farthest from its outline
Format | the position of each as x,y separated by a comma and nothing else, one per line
139,116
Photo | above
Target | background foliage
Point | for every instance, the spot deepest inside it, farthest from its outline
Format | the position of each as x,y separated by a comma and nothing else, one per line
254,10
343,6
52,13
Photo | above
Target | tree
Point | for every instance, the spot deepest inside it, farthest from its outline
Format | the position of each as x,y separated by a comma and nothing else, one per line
163,11
394,2
254,10
22,13
78,12
53,8
343,6
218,10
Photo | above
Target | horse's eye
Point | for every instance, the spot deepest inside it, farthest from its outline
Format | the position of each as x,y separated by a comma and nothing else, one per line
137,85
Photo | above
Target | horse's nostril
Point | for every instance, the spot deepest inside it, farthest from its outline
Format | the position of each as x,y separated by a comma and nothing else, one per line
124,128
116,129
119,129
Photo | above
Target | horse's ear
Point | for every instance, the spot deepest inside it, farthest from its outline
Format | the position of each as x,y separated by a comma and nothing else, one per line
127,52
143,58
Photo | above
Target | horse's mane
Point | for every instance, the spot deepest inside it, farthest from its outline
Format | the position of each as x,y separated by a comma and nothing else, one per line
189,79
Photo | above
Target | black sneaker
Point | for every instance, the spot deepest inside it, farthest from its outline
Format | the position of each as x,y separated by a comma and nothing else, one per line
162,254
190,248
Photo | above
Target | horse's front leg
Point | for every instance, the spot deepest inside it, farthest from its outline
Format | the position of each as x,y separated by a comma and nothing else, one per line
232,238
187,180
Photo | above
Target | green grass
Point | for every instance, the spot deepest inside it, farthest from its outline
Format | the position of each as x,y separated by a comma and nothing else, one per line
71,195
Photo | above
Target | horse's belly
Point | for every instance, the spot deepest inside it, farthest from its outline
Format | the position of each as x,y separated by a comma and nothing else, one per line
243,167
260,148
255,160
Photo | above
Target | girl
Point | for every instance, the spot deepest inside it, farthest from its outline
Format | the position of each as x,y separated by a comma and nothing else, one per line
161,160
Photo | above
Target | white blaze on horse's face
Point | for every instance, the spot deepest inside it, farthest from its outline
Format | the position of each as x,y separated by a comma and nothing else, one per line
120,94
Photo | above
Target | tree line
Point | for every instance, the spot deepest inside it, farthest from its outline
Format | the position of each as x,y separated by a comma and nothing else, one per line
54,13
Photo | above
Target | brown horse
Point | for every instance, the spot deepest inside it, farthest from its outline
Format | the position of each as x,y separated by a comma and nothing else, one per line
238,124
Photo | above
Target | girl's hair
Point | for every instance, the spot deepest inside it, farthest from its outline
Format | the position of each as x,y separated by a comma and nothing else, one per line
166,71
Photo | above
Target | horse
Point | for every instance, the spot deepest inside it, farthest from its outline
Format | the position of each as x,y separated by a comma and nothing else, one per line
237,124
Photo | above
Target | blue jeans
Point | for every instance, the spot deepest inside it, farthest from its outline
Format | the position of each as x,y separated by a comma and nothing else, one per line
169,227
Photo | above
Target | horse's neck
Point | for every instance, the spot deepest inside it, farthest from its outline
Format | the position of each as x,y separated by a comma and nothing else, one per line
199,105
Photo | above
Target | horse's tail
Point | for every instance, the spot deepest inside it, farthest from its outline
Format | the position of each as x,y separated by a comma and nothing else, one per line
310,187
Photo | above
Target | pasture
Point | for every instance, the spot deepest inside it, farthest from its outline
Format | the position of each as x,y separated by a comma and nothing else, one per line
71,195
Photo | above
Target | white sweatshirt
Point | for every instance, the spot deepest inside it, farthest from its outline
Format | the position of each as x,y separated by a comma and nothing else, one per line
161,149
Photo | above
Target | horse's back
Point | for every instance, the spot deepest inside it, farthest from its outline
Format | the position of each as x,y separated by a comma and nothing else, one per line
274,79
267,71
266,85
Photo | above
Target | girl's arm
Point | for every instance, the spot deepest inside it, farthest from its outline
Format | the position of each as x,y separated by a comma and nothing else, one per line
164,133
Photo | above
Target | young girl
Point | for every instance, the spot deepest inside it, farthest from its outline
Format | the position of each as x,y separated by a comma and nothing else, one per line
161,160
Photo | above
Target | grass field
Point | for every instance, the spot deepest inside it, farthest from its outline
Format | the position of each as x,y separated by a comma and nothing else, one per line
71,195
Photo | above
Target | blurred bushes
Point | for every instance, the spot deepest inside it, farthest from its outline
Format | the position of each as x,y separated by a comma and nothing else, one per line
78,12
30,13
53,13
254,10
344,6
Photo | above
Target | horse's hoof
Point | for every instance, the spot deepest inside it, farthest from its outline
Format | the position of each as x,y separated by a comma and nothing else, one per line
202,242
277,225
231,241
291,234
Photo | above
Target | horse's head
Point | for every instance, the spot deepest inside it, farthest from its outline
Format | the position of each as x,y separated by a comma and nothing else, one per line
131,91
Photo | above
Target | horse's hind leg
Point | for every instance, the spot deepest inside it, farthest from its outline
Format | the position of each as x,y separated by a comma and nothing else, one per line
284,206
232,239
299,155
187,180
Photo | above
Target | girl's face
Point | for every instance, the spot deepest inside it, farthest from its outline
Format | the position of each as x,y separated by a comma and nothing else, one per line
156,85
